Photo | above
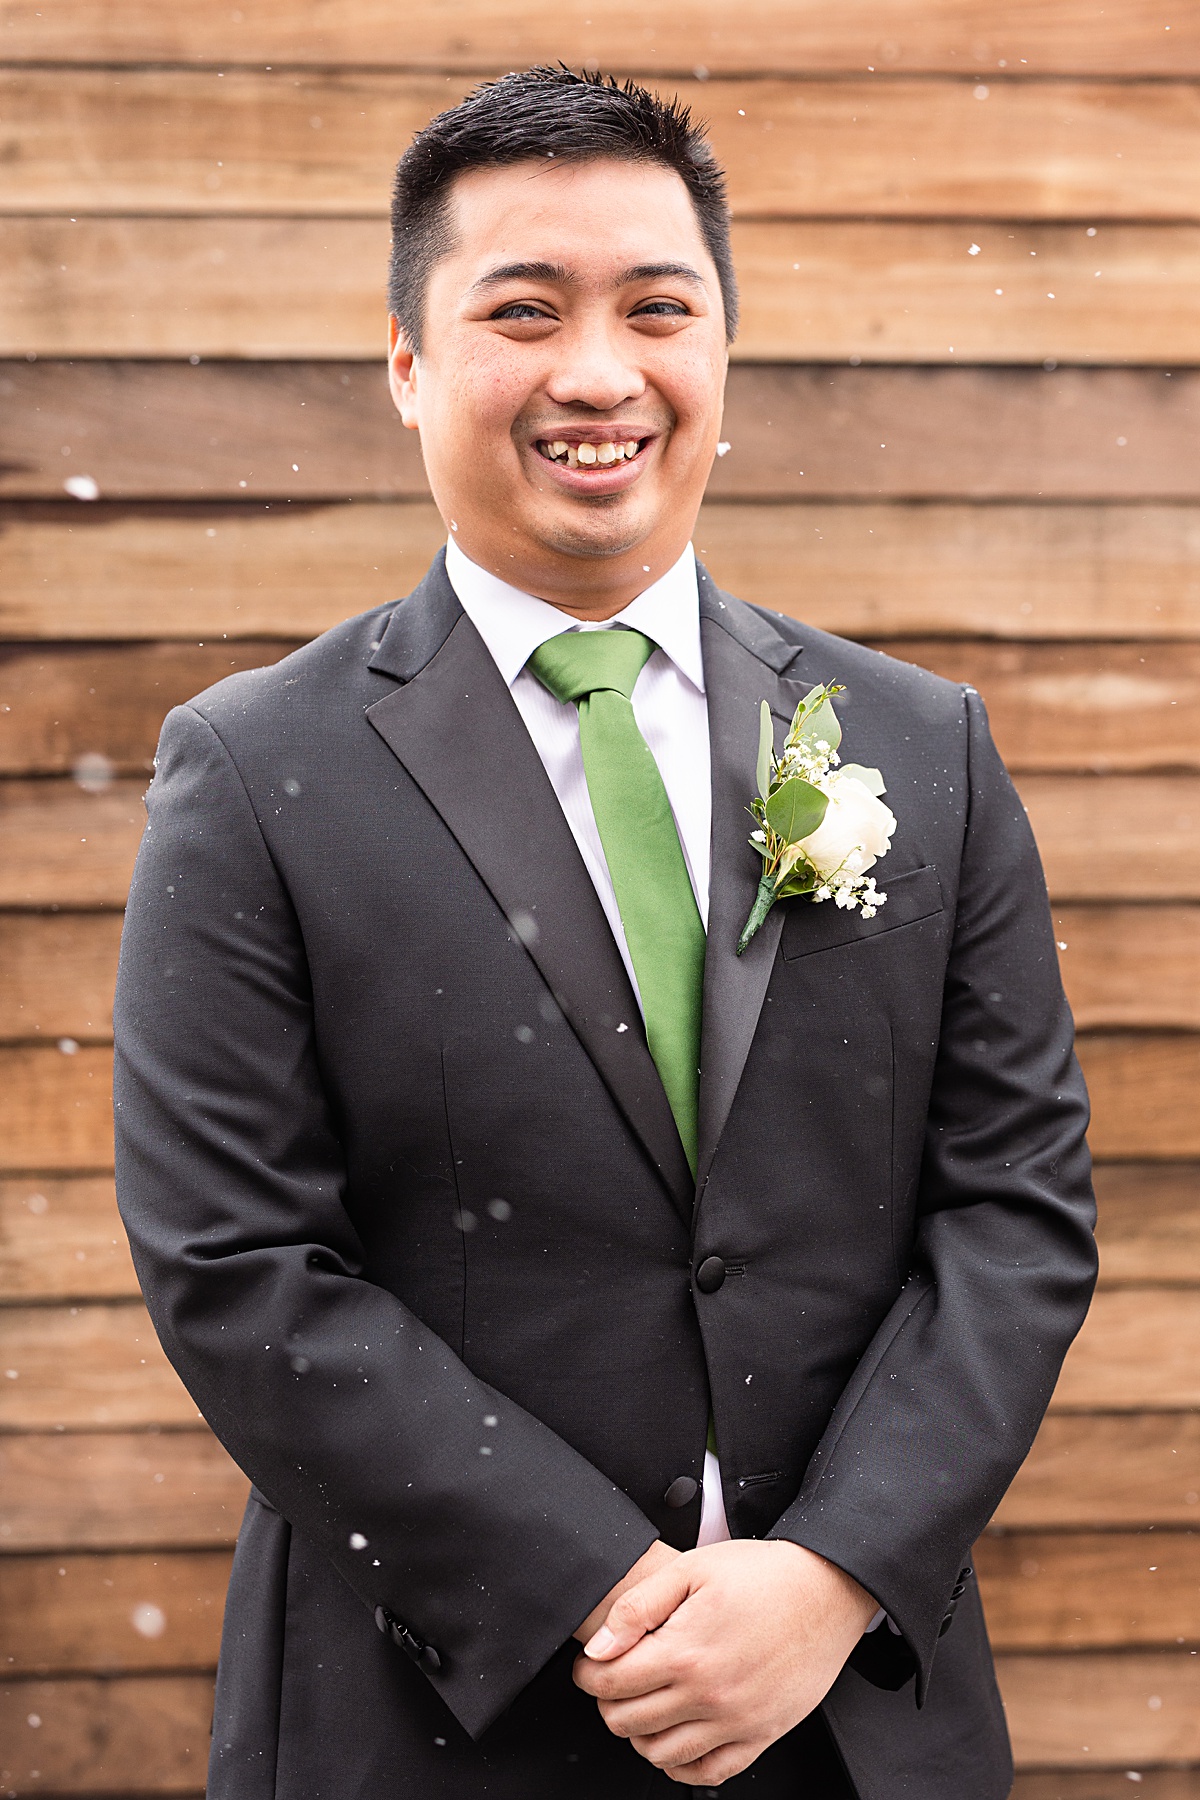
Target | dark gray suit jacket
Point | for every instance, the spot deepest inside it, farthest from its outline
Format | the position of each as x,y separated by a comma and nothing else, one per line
416,1228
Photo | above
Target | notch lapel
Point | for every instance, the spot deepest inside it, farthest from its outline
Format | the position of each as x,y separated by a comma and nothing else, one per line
745,660
453,717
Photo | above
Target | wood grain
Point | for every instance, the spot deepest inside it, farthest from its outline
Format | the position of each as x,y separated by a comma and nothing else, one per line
1035,36
61,845
873,571
1134,837
62,1239
1107,1784
99,1364
98,710
56,974
1131,966
283,141
174,430
1123,837
895,291
55,1108
1064,1711
145,1735
1139,1350
1149,1222
86,1366
1097,706
135,1612
108,1490
1099,1590
1108,1471
119,1614
1143,1091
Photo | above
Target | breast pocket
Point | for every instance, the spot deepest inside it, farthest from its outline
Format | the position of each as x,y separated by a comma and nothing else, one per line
812,927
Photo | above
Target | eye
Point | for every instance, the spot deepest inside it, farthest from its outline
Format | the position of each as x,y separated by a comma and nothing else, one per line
660,309
520,309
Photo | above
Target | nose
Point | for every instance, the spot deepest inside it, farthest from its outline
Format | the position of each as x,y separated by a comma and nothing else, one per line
592,371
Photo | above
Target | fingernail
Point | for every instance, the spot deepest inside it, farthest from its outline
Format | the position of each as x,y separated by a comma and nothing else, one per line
600,1643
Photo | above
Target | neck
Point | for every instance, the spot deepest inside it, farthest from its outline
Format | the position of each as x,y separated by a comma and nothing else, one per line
590,589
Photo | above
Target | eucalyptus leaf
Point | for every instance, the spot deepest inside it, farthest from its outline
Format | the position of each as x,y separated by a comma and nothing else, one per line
766,743
822,724
871,779
795,809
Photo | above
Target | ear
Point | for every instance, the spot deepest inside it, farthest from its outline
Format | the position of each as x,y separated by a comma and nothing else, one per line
402,373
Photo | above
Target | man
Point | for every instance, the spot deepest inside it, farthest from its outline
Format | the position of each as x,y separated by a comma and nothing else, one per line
558,1275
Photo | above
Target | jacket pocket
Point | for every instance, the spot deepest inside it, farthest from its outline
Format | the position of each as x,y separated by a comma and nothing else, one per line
810,928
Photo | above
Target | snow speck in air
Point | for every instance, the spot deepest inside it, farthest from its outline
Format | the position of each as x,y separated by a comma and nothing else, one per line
357,1541
82,487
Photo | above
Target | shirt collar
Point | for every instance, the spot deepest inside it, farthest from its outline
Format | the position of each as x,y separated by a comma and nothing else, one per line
513,624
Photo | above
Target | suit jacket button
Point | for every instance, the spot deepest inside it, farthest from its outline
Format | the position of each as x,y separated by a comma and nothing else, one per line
710,1274
383,1622
429,1660
682,1491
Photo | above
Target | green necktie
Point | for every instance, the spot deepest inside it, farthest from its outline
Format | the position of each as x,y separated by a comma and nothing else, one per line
663,930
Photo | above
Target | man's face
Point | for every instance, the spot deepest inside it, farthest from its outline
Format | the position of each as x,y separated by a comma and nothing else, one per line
569,388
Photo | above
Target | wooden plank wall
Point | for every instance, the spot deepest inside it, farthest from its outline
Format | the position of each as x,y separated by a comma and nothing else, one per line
963,418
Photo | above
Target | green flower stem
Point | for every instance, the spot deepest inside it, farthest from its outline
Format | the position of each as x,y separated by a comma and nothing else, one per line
764,900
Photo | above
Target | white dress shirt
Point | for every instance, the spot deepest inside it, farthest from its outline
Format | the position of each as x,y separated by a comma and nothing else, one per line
671,710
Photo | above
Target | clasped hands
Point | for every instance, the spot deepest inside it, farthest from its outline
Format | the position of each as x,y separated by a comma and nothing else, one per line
703,1658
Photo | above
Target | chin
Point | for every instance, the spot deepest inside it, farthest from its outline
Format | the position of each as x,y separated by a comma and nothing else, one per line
598,532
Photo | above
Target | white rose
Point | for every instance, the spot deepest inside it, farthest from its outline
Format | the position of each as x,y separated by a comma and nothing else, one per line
855,832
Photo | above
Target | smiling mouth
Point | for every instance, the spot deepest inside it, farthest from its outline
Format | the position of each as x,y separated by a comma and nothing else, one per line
589,456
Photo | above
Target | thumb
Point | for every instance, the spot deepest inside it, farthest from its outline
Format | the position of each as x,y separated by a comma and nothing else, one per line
640,1609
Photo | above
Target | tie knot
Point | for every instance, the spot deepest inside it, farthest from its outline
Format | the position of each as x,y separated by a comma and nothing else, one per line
578,663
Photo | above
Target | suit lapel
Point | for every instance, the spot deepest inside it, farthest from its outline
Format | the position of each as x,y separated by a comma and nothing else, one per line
745,660
453,717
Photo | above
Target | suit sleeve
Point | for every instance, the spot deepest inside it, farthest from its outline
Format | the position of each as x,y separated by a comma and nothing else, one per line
484,1536
942,1410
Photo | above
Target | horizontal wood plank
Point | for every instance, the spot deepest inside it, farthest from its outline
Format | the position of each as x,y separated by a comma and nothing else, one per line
55,1108
1107,1471
56,974
96,711
1143,1092
1149,1222
99,1364
1121,837
62,1239
145,1735
816,291
873,571
282,141
1106,1784
1131,966
86,1366
109,1490
1124,1709
1102,707
131,1613
113,1614
1035,36
329,431
1138,1351
1099,1590
61,845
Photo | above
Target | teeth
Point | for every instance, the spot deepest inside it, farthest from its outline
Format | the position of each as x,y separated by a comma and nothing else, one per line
589,455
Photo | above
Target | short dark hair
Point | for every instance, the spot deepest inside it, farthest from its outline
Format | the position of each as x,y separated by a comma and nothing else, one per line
546,112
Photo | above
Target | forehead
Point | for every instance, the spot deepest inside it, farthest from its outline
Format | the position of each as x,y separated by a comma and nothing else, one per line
605,213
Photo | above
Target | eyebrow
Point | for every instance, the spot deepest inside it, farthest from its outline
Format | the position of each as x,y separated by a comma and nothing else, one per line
558,273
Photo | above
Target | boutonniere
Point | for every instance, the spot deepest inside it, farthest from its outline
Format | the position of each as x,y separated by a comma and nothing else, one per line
821,823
